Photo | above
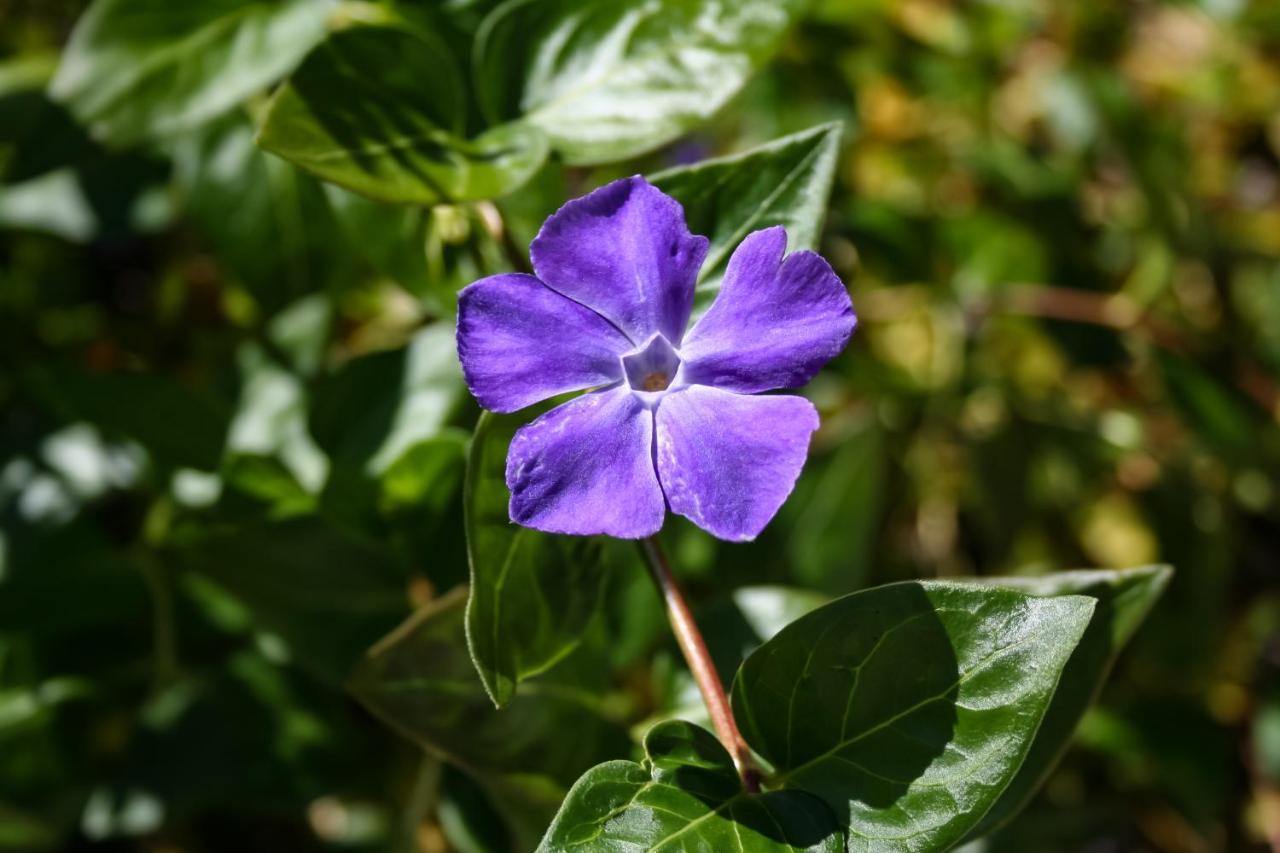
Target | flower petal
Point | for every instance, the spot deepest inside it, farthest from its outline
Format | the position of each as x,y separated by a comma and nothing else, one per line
727,461
774,323
586,467
521,342
625,252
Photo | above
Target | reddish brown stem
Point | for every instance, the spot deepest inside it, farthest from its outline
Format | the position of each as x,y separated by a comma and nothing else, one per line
700,664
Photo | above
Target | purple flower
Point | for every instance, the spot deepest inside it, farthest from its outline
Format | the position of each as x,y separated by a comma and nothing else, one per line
673,420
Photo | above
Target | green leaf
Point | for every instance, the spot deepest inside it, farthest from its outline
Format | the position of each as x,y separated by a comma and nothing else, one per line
532,593
142,69
609,80
785,182
836,509
376,410
908,708
36,135
177,423
1124,597
267,223
420,681
685,796
379,107
326,596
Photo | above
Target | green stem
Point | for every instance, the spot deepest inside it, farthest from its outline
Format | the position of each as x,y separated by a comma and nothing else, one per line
696,655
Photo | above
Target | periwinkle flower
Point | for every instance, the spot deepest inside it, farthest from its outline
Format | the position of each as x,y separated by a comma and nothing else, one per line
675,419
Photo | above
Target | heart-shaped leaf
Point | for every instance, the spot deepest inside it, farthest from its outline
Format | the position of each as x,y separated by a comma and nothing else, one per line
532,593
910,707
785,182
686,796
1124,598
379,107
141,69
609,80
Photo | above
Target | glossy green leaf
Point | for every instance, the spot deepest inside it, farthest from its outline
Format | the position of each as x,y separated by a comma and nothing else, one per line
686,796
532,593
379,107
785,182
908,708
421,682
609,80
141,69
1124,597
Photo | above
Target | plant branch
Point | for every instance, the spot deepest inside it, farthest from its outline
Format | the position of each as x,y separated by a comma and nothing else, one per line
696,655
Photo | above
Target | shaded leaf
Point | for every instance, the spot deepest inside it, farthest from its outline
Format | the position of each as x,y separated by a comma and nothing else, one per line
36,135
141,69
379,108
607,81
908,708
378,409
532,593
1124,598
266,222
325,595
836,512
785,182
686,796
176,423
421,682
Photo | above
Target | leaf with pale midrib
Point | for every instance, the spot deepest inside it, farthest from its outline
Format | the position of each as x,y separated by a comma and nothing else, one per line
607,81
532,593
142,69
784,182
908,708
685,796
379,108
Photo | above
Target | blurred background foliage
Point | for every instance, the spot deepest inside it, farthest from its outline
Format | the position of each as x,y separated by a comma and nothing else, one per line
233,432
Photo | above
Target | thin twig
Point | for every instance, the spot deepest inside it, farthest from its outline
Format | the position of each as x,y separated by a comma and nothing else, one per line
700,664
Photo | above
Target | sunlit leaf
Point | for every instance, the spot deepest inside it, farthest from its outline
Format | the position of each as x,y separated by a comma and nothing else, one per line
140,69
378,108
785,182
608,80
908,708
1124,598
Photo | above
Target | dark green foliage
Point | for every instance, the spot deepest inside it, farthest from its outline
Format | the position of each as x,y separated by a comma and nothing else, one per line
258,589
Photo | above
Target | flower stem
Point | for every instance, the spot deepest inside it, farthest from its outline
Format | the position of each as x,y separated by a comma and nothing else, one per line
696,655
